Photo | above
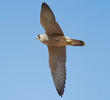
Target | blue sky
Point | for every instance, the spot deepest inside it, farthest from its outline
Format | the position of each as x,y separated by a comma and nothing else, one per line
24,67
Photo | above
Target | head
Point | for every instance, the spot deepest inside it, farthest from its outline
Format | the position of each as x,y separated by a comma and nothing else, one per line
41,37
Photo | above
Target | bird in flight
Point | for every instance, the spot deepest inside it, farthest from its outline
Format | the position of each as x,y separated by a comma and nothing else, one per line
56,43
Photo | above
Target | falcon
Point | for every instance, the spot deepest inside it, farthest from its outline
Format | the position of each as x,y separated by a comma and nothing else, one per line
56,43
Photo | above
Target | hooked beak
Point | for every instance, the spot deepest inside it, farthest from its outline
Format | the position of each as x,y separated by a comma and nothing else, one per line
37,37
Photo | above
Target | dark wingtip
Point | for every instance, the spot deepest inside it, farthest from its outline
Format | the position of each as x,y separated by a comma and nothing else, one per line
44,4
60,92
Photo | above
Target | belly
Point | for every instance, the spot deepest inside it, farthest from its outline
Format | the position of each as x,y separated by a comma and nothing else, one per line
55,41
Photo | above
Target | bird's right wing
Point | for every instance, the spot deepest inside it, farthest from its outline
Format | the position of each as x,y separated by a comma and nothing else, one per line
57,60
48,21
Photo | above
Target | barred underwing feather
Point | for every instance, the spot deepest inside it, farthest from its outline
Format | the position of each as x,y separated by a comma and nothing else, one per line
59,77
57,60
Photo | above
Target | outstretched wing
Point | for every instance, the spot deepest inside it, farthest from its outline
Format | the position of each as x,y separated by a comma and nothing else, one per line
57,60
48,21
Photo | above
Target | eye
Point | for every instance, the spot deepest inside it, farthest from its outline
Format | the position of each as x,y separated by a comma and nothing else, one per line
38,36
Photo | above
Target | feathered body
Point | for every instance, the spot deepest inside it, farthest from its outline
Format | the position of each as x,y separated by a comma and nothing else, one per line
59,40
56,42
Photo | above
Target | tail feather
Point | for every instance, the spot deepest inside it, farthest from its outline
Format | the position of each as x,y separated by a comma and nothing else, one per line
74,42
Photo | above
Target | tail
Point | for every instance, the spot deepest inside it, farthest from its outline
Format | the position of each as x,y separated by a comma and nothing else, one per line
73,42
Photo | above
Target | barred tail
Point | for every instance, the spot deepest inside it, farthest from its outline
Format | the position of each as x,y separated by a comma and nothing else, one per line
73,42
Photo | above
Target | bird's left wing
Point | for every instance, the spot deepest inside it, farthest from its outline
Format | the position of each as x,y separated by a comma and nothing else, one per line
48,21
57,60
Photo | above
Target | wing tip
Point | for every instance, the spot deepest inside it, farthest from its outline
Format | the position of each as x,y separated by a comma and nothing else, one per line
60,92
44,4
